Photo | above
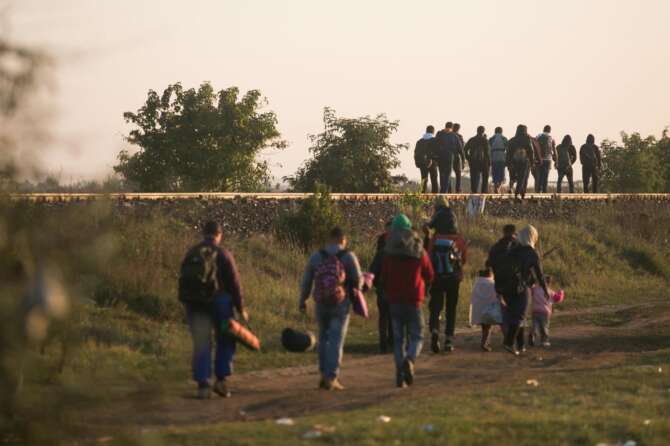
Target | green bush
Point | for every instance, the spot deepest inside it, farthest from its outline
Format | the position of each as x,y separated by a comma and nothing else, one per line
309,224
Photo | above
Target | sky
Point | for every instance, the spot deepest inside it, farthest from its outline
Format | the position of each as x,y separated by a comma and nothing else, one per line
582,66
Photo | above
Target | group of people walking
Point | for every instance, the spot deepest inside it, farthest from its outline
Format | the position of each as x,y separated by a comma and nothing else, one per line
439,154
408,267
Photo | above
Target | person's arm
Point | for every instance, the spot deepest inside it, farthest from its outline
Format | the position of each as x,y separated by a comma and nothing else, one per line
353,270
581,155
539,274
487,152
467,149
464,250
427,271
599,157
230,277
573,154
553,149
461,151
307,282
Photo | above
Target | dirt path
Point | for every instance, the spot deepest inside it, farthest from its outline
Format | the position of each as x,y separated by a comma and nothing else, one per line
292,392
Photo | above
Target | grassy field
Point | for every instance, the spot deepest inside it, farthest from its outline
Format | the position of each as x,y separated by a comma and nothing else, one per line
128,342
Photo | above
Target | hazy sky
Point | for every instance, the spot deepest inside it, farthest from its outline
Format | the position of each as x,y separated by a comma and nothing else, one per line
583,66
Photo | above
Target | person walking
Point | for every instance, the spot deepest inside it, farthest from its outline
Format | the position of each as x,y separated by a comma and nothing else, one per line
448,253
498,144
383,307
459,160
592,164
520,158
448,149
210,289
566,155
406,273
547,155
477,152
423,160
518,269
332,271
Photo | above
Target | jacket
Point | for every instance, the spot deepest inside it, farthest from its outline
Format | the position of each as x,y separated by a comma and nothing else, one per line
524,143
478,151
563,151
422,155
551,146
449,145
590,157
443,221
542,305
406,269
354,276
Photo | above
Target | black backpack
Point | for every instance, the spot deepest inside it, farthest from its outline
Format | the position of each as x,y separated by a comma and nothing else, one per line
545,148
198,281
435,147
446,260
422,152
507,271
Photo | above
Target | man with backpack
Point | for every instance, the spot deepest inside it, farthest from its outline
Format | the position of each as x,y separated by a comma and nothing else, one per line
520,158
406,273
448,253
592,164
566,155
209,288
477,153
498,144
333,272
423,160
447,148
547,155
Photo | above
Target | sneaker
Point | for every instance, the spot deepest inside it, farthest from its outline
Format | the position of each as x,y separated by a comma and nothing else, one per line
487,347
408,371
448,345
435,343
511,349
204,393
221,389
546,344
323,383
335,384
400,380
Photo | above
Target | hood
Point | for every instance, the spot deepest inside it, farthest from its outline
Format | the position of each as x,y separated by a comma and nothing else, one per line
427,136
590,139
332,249
405,244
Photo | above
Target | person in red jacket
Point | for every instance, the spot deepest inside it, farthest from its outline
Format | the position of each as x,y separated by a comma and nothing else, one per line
448,252
406,271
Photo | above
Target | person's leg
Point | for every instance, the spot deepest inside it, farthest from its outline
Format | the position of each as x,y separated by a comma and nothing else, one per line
544,329
485,180
523,308
336,335
225,345
457,174
445,169
435,307
424,179
571,184
323,321
486,334
434,185
595,179
546,168
399,327
561,174
452,305
586,176
474,179
450,166
415,333
383,312
201,325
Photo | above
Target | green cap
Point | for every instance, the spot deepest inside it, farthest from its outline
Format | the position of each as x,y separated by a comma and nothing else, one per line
401,222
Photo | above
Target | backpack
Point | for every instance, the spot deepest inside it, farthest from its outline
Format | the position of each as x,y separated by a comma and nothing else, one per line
564,162
477,154
421,152
498,148
446,260
545,147
329,279
507,271
434,148
520,155
198,275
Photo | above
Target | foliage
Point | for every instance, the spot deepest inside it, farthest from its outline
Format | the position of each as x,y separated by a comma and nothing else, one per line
637,165
414,206
309,225
351,155
200,140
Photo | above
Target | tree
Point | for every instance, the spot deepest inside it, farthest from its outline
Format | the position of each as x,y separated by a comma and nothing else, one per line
636,165
199,140
350,155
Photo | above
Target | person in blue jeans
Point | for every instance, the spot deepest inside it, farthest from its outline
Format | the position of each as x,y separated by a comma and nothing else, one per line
332,272
206,315
406,272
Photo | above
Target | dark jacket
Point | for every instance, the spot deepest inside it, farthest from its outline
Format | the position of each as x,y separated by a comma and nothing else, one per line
562,151
498,250
443,221
520,142
449,145
530,266
378,259
477,151
406,269
589,154
228,278
422,156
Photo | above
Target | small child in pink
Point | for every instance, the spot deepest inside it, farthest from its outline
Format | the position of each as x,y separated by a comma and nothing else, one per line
542,310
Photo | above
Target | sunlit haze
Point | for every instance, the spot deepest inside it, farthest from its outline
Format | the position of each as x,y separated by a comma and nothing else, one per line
594,66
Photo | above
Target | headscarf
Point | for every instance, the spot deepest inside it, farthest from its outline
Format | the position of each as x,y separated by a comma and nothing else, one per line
528,236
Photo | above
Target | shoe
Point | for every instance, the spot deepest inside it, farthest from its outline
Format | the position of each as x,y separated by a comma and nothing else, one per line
335,384
487,347
546,344
511,349
221,389
448,346
408,371
435,343
400,380
204,393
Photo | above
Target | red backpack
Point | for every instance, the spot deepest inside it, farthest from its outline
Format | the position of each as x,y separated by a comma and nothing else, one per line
329,279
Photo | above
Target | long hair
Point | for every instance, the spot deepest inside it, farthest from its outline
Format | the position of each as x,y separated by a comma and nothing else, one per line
528,236
567,140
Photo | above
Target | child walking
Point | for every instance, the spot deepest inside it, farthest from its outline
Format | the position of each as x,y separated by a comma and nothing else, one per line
485,309
542,311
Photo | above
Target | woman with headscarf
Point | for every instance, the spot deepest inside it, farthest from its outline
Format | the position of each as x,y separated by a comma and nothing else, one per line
566,157
519,271
520,159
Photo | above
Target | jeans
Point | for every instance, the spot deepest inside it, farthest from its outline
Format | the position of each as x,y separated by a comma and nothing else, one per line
590,174
477,173
333,321
203,320
432,172
458,168
522,171
498,171
385,326
445,165
545,168
440,294
540,327
407,326
559,183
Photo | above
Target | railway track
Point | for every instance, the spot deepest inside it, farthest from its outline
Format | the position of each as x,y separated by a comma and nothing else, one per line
59,197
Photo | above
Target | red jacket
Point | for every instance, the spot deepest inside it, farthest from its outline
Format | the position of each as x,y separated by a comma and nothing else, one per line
405,278
460,243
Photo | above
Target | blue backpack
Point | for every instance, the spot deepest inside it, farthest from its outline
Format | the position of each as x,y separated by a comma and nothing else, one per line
446,260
